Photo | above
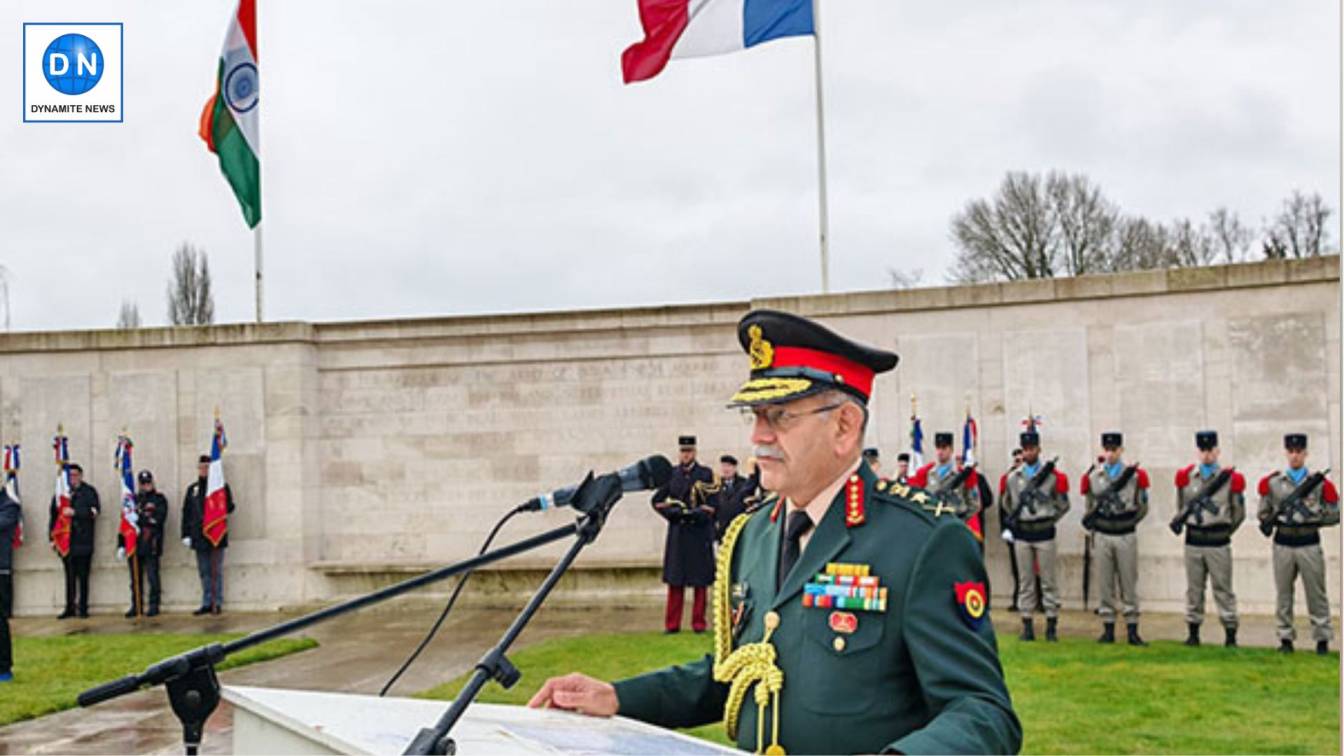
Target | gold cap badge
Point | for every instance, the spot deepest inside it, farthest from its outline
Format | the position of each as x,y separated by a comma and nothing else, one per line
761,351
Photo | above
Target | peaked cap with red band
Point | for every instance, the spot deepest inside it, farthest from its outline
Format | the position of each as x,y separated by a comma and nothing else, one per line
793,357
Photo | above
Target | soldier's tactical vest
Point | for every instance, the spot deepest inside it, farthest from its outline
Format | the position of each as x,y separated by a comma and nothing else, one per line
1216,529
1125,516
1038,525
1302,531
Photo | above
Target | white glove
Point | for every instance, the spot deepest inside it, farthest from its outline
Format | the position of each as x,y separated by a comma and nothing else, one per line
1007,536
121,552
186,542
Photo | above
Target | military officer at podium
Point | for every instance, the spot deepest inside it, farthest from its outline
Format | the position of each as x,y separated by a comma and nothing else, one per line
850,613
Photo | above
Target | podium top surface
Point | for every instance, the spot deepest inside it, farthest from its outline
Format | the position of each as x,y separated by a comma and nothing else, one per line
358,724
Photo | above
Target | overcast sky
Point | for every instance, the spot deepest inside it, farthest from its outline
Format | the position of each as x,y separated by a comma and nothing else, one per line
439,158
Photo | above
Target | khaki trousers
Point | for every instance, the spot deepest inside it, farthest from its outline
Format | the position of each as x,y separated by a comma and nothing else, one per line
1043,552
1215,564
1117,559
1309,562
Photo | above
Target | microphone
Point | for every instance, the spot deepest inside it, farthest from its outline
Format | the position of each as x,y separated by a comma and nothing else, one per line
648,473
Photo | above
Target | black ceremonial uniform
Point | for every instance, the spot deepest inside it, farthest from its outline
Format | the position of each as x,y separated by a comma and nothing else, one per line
731,500
688,556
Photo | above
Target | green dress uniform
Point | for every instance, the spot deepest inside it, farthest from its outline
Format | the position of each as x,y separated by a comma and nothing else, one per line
878,638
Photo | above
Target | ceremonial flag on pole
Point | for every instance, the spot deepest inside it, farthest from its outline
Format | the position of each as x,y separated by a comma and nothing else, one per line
12,487
695,28
130,521
970,435
229,121
60,532
215,523
916,443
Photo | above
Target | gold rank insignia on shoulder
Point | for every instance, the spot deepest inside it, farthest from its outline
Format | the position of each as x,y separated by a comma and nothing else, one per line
919,497
761,351
938,507
854,509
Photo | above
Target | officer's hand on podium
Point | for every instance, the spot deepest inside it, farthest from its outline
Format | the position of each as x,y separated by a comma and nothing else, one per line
576,692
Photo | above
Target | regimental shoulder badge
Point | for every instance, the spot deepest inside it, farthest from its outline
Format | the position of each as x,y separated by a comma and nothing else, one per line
761,351
972,602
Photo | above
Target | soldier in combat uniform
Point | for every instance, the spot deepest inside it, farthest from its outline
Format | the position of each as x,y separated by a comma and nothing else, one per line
1031,511
1116,501
937,476
1295,522
1208,534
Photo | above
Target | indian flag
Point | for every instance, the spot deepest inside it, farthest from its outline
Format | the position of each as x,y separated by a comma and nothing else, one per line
229,122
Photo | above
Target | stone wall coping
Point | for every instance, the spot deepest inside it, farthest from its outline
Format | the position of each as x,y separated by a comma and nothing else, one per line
1091,287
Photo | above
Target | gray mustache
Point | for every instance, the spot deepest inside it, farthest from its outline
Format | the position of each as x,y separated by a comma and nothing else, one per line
767,451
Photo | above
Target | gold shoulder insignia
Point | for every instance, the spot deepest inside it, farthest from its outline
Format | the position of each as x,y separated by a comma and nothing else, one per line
758,503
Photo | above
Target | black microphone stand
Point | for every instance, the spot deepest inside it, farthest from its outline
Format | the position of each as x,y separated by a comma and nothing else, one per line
193,688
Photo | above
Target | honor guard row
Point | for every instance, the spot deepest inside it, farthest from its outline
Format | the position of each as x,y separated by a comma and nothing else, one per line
1210,505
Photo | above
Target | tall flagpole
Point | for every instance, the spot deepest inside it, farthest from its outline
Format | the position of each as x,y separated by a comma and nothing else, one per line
256,240
821,151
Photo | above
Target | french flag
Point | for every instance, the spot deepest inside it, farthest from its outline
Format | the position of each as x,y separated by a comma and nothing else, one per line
696,28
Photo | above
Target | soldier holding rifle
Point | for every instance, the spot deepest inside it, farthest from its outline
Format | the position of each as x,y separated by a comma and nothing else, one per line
1294,505
1033,498
1210,506
1116,501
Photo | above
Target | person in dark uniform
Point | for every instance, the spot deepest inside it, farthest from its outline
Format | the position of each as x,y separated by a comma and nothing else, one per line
688,556
902,468
874,459
209,557
152,507
10,517
850,613
84,509
729,501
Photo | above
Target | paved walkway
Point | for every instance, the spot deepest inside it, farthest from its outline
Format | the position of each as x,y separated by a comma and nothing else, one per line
358,653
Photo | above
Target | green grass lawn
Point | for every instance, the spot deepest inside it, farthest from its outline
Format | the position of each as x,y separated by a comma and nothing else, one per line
1072,697
50,671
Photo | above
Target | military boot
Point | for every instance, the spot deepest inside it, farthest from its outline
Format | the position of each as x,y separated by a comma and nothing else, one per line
1107,633
1028,632
1322,648
1051,629
1285,646
1193,638
1231,640
1134,639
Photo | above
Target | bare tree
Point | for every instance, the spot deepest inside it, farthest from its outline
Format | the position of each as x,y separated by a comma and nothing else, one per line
1012,239
129,316
1191,245
189,299
1233,238
1085,221
1140,244
901,279
1300,227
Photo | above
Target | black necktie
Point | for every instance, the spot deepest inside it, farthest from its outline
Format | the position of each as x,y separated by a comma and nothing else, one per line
794,528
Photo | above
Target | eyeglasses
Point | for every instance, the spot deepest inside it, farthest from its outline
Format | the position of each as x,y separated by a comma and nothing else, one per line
778,418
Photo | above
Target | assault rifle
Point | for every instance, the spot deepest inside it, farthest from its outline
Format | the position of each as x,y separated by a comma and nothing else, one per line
1108,501
1201,502
1031,495
947,492
1294,503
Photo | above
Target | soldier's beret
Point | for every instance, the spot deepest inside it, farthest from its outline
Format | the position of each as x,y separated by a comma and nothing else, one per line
204,459
793,357
685,441
1111,438
728,458
1206,439
903,457
1295,441
1029,438
145,476
942,439
870,453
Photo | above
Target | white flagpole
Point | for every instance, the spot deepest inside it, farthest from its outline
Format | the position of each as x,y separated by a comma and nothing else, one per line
821,151
256,239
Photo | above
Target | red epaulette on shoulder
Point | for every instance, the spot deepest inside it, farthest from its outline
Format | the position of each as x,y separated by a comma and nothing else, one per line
1143,478
1085,484
1183,476
1264,485
1061,482
1238,482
